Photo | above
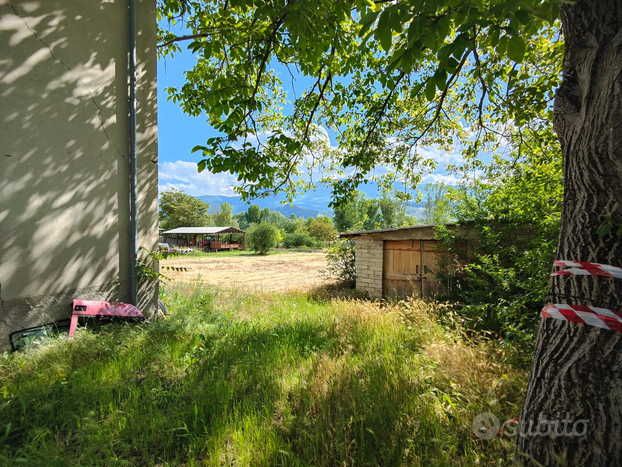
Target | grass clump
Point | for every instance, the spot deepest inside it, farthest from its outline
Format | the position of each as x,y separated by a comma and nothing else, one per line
232,378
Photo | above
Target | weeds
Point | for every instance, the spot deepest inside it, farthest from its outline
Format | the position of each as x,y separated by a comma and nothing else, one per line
232,378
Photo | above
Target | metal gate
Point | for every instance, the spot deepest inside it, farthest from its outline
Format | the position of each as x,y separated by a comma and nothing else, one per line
408,267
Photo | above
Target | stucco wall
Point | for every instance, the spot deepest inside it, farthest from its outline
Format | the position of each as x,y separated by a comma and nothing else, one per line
64,162
369,265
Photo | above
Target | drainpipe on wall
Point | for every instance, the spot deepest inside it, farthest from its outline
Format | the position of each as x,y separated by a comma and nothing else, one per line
133,182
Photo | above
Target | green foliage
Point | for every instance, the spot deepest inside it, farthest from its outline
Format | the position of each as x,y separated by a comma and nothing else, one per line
263,237
341,262
321,229
277,219
348,216
257,379
418,73
223,218
148,267
253,214
437,205
177,209
294,224
298,240
241,220
515,211
361,213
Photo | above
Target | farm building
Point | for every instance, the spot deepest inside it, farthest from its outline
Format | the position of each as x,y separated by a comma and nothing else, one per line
397,262
205,238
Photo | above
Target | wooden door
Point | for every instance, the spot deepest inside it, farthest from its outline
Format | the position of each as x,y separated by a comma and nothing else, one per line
401,268
408,268
429,284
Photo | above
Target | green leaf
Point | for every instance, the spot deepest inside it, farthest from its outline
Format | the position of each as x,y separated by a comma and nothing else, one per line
445,52
522,16
201,165
416,89
430,90
397,58
413,30
443,26
407,61
367,22
603,230
452,64
516,49
383,32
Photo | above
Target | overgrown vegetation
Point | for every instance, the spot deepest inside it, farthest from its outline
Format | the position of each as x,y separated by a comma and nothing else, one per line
341,262
265,379
514,211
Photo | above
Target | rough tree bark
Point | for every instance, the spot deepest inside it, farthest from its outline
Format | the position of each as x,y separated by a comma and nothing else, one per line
577,370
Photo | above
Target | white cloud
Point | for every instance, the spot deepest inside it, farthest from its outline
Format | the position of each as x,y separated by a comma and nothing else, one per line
440,155
450,179
184,176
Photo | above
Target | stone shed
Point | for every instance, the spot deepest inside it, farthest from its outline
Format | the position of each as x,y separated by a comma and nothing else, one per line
397,262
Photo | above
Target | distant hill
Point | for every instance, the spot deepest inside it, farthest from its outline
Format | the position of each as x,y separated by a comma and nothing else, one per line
237,206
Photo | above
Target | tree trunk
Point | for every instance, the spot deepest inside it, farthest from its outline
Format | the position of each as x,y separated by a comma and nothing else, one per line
577,370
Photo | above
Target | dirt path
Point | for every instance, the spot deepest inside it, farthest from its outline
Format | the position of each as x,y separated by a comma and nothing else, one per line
281,272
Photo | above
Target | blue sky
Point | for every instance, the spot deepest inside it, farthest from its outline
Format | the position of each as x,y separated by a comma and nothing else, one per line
179,133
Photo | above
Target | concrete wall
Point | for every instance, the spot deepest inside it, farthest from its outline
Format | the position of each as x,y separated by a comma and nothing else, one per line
369,256
64,162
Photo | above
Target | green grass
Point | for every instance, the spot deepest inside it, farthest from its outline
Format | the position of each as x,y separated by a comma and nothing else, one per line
231,378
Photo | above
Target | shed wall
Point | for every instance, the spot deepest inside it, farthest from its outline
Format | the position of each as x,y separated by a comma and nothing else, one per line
369,257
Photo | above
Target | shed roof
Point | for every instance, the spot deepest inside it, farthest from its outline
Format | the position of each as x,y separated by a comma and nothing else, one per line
410,227
204,230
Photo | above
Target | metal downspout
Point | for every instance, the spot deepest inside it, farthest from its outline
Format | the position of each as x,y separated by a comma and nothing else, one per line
133,178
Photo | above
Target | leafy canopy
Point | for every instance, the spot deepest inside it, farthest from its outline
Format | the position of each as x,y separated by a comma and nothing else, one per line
177,209
385,77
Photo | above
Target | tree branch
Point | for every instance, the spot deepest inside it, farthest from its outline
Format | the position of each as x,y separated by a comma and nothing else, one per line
185,38
382,110
442,99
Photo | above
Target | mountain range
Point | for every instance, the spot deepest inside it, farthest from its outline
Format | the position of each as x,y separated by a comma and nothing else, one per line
310,204
237,205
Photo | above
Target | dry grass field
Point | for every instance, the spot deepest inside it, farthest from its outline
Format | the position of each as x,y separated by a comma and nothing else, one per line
279,272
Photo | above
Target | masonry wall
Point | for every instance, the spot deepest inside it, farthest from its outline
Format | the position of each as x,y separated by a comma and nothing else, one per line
369,257
64,158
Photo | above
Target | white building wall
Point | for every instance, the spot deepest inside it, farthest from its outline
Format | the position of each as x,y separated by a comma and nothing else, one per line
64,157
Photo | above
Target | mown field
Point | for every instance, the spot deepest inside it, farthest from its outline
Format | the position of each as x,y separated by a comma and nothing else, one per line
238,378
280,270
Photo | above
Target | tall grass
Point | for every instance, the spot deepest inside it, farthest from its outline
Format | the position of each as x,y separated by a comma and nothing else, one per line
232,378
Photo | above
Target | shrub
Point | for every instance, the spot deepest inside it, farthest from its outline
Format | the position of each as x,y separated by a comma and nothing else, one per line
514,212
263,237
341,262
298,240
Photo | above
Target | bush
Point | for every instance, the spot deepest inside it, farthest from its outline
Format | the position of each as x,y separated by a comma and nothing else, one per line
263,237
298,240
514,212
341,262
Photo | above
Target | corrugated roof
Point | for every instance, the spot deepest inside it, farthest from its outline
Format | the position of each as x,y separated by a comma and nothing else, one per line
203,230
410,227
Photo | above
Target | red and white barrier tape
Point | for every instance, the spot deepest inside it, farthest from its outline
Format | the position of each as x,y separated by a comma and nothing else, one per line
583,314
580,268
